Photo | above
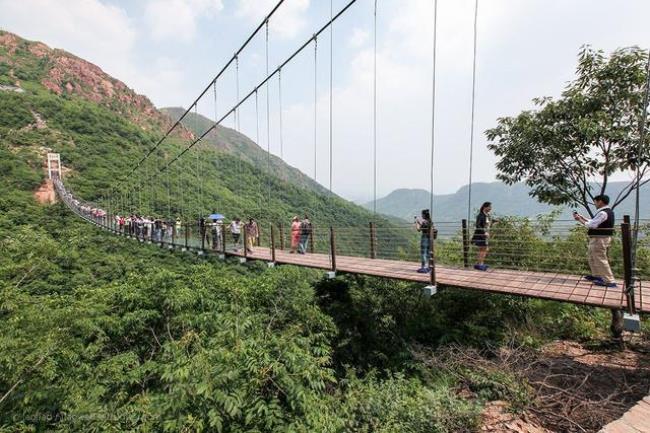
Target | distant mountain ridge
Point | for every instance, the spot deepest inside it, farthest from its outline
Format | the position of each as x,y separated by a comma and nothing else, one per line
507,200
239,145
53,101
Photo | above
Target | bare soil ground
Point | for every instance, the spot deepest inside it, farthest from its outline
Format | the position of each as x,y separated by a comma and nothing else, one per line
566,386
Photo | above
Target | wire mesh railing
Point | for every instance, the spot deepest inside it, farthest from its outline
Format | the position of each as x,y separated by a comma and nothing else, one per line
511,244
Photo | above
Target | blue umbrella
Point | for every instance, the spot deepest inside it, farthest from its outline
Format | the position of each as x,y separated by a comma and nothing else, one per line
216,216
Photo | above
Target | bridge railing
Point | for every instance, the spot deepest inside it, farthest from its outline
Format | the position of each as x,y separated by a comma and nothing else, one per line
548,246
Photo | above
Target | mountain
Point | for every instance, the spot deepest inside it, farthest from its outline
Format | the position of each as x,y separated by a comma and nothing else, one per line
511,200
51,100
239,145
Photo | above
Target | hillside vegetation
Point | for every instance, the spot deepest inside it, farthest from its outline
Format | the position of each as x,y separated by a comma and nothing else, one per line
103,334
101,129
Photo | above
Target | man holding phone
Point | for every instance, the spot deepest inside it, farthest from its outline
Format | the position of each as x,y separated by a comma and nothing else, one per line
601,230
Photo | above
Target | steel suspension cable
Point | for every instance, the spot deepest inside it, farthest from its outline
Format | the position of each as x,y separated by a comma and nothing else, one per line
169,196
236,115
254,91
216,112
374,114
268,118
315,100
331,82
642,135
433,105
472,121
280,104
219,74
198,207
257,139
181,192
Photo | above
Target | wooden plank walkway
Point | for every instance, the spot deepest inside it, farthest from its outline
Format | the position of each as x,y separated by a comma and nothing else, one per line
635,420
543,285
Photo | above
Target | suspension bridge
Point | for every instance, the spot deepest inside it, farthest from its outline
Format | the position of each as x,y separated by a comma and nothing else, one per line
555,273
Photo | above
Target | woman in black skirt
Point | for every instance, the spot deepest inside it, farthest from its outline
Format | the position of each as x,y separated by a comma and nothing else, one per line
482,235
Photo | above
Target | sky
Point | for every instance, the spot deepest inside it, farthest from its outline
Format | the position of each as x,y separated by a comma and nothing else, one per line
170,50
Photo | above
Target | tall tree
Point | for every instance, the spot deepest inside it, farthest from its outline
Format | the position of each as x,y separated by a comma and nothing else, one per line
567,149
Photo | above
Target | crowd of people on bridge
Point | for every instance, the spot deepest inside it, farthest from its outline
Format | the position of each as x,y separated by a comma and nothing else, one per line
213,232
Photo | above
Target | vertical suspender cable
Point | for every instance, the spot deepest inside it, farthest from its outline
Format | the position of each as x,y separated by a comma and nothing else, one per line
471,139
236,115
139,191
268,117
315,99
374,114
642,135
280,102
180,191
331,82
433,104
216,112
169,196
257,135
199,178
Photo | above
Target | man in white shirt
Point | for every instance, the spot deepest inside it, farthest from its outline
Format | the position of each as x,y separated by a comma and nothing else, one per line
235,231
601,229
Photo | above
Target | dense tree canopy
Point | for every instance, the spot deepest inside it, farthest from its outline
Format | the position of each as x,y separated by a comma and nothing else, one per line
587,135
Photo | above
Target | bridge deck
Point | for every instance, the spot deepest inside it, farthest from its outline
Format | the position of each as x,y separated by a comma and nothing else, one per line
553,286
635,420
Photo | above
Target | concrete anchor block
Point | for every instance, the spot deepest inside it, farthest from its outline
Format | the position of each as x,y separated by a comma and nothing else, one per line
222,257
631,322
429,290
242,260
330,275
270,264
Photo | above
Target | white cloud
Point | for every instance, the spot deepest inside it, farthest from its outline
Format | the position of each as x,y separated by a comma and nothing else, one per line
164,82
358,38
525,49
177,19
100,33
287,22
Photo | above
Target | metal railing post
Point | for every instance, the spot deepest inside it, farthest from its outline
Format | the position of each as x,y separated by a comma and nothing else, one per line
627,267
311,239
245,241
223,240
272,243
432,252
465,244
373,240
333,248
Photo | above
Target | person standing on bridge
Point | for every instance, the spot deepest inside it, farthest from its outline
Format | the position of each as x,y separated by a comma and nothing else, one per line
482,235
235,231
178,227
305,232
424,226
295,234
600,232
252,233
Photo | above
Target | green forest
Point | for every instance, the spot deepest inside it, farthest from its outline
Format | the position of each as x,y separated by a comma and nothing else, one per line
103,334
